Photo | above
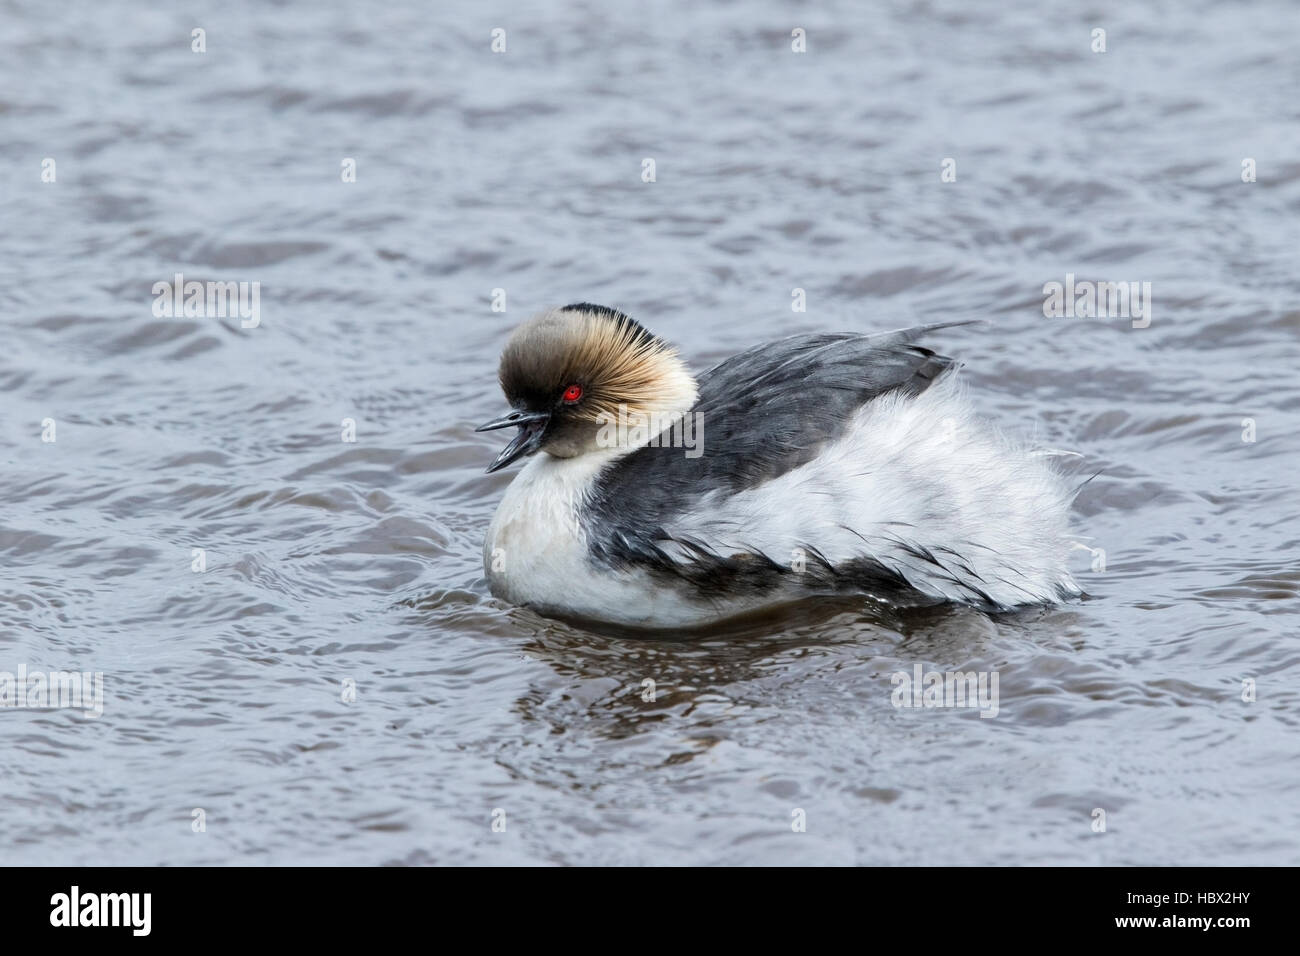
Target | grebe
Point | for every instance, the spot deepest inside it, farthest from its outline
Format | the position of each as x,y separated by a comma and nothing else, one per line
816,464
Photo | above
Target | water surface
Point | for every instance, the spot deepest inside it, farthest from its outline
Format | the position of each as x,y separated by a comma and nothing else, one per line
330,561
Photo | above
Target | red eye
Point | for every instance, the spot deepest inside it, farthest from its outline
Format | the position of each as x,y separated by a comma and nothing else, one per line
573,393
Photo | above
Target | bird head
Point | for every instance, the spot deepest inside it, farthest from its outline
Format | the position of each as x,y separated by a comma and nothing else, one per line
568,373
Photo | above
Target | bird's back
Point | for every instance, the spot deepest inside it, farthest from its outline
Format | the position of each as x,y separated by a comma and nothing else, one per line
836,462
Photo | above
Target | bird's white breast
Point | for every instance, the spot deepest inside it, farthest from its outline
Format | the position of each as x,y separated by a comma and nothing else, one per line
536,553
535,548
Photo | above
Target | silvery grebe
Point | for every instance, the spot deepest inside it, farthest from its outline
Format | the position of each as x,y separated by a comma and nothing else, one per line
816,464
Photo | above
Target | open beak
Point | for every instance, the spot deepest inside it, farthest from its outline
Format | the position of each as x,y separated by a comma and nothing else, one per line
531,425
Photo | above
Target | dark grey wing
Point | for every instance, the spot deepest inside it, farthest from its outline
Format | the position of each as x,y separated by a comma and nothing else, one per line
910,335
775,407
764,412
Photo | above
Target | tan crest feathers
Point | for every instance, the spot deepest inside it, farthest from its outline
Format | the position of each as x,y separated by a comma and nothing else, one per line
622,367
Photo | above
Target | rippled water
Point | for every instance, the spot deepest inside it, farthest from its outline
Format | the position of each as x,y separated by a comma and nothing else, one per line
329,561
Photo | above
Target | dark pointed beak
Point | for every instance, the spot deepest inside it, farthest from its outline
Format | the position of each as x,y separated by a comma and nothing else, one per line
532,427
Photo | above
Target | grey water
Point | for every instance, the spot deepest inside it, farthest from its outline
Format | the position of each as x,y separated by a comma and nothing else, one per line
300,660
